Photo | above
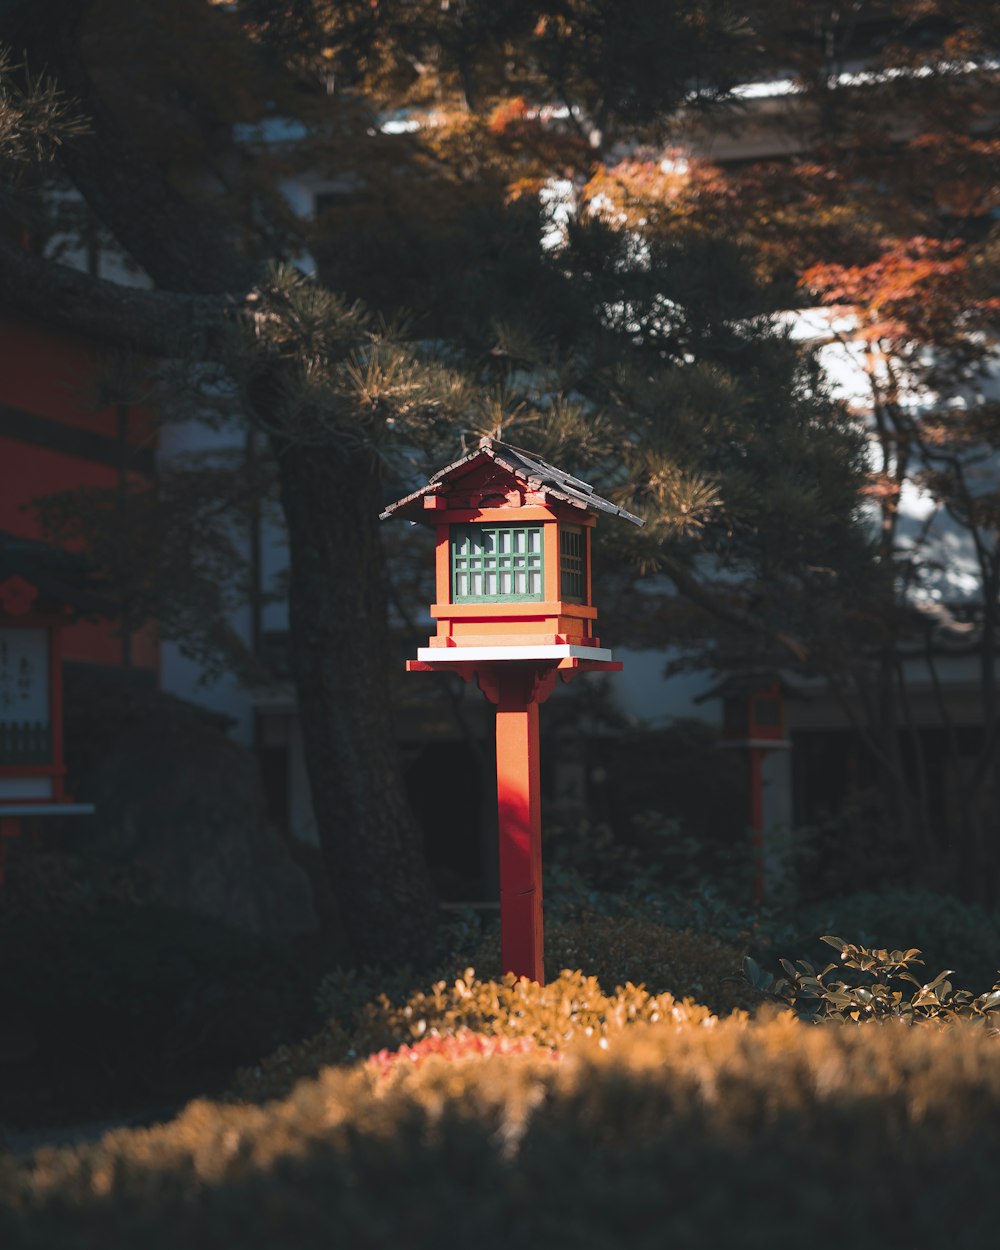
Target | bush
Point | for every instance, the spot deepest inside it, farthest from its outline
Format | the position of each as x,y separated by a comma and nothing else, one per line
874,985
40,882
655,862
119,1003
949,933
732,1133
617,949
367,1008
555,1015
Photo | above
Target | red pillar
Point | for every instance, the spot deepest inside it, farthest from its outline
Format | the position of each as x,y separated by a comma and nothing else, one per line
519,810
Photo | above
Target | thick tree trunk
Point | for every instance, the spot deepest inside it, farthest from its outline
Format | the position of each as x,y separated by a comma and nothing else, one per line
339,656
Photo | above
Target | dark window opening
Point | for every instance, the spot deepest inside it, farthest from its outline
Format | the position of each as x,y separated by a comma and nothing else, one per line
572,563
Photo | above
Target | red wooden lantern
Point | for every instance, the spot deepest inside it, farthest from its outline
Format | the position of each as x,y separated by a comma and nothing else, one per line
514,609
34,608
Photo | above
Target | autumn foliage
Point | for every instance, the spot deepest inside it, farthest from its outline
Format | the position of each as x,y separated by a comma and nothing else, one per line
917,289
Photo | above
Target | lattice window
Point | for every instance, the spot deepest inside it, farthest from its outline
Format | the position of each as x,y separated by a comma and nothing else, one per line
496,563
25,742
572,563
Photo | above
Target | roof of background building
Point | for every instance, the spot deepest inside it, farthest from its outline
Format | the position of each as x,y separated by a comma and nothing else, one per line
62,578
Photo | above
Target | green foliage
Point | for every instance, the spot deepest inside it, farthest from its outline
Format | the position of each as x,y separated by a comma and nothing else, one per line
879,989
659,874
172,555
951,933
35,116
857,848
619,949
39,883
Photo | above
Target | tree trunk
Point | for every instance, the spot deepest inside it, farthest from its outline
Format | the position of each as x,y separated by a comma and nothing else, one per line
338,642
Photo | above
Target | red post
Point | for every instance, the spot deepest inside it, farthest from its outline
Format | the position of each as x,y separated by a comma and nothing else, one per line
519,810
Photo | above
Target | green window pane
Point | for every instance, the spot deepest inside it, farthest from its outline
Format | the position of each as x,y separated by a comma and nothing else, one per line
491,563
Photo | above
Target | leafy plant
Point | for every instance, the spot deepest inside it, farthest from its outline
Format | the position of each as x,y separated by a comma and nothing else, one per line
950,933
879,990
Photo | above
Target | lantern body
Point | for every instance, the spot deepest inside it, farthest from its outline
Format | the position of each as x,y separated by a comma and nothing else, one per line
513,575
513,547
754,719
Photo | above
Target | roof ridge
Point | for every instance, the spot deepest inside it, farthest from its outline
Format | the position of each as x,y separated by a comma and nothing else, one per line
561,474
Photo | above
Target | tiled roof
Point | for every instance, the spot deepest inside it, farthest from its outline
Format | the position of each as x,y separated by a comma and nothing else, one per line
526,467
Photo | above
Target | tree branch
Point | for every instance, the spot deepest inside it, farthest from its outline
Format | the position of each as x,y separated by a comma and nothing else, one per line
182,246
694,590
160,323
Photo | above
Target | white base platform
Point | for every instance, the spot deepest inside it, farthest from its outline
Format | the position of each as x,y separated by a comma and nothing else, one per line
558,651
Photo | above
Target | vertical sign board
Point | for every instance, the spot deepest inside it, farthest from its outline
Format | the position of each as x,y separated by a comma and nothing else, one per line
25,711
32,772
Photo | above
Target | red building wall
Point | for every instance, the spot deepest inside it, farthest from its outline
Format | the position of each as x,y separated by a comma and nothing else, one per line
52,438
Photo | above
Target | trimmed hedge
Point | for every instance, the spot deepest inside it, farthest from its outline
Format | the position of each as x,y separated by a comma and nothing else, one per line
688,1131
654,964
553,1016
618,949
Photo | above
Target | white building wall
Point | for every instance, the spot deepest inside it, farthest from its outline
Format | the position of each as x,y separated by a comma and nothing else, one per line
644,693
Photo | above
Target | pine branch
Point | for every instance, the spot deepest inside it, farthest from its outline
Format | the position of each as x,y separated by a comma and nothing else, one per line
162,323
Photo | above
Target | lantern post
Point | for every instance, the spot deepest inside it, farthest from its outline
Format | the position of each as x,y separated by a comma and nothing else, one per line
514,612
753,720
